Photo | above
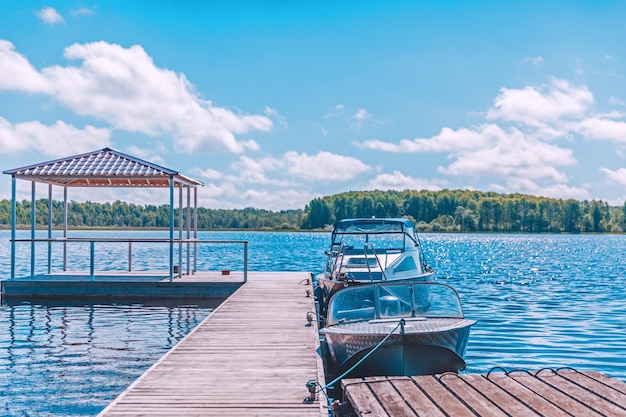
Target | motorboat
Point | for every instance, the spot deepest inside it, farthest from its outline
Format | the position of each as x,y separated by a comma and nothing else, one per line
369,250
395,328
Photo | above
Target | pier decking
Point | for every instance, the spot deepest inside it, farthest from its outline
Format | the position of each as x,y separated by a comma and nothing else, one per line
564,392
251,357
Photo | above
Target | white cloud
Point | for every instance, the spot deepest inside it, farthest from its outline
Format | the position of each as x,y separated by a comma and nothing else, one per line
448,140
50,16
398,181
83,11
123,87
537,105
324,166
274,114
562,191
535,60
594,128
514,155
59,139
16,73
254,171
207,173
152,155
618,176
616,102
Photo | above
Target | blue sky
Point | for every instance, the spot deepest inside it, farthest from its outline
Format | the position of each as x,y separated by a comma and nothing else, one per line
274,103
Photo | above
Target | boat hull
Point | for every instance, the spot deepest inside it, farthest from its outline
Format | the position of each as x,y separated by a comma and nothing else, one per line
426,347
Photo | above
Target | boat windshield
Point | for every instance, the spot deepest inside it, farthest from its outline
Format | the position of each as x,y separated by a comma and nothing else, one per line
386,301
365,235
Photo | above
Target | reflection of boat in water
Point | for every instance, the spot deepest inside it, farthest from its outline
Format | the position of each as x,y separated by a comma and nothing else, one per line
371,250
395,328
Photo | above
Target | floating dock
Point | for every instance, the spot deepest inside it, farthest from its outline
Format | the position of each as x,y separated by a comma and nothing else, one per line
549,393
143,285
251,357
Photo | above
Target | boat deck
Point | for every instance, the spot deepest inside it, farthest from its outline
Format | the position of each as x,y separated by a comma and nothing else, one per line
251,357
549,393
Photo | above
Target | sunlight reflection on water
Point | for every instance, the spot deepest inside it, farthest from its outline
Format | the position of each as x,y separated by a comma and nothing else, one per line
540,301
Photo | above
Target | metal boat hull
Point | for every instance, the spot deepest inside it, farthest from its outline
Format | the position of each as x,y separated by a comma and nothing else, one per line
426,347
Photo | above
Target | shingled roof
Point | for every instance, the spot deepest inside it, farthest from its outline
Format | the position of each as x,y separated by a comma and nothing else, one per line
102,168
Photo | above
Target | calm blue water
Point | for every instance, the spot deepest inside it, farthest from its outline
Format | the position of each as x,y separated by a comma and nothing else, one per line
540,301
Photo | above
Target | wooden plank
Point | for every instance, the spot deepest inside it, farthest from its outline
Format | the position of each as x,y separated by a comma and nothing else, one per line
480,395
611,389
240,361
582,394
442,397
558,398
363,402
391,399
526,396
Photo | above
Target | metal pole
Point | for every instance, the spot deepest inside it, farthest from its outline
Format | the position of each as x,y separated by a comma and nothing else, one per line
180,229
188,226
49,228
13,222
195,229
130,256
32,230
171,229
64,229
91,260
245,261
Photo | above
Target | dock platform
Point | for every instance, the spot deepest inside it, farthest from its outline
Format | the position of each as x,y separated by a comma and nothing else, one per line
550,393
251,357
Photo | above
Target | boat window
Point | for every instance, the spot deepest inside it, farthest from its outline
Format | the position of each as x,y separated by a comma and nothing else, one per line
362,262
407,264
394,301
432,300
352,304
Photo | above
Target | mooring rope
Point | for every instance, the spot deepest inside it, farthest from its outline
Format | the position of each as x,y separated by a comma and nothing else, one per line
353,367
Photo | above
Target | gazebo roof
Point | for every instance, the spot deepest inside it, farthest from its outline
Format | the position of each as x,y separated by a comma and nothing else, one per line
103,168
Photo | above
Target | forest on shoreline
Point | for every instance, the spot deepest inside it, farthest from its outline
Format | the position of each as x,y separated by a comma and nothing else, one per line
431,211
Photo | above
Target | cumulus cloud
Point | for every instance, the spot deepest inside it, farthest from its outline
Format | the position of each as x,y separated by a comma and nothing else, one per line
16,73
513,156
67,139
618,176
399,181
50,16
324,166
537,105
594,128
124,87
518,144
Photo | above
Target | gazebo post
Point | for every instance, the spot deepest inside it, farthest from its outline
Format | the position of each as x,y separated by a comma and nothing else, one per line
171,228
32,229
188,221
49,228
64,229
13,222
195,229
180,229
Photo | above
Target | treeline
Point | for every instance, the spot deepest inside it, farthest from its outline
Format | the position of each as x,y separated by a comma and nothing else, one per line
469,211
436,211
121,214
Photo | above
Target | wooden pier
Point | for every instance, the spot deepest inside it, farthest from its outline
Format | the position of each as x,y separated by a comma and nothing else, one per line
251,357
549,393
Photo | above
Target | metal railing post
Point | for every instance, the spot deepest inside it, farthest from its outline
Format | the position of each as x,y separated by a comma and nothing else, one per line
245,261
91,260
130,256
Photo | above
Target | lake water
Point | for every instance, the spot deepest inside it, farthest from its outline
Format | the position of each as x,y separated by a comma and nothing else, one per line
540,301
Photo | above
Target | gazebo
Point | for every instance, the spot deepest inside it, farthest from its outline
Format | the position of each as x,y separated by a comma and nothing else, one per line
107,168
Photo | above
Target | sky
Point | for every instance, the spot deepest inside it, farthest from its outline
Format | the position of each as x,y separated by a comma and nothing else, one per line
274,103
